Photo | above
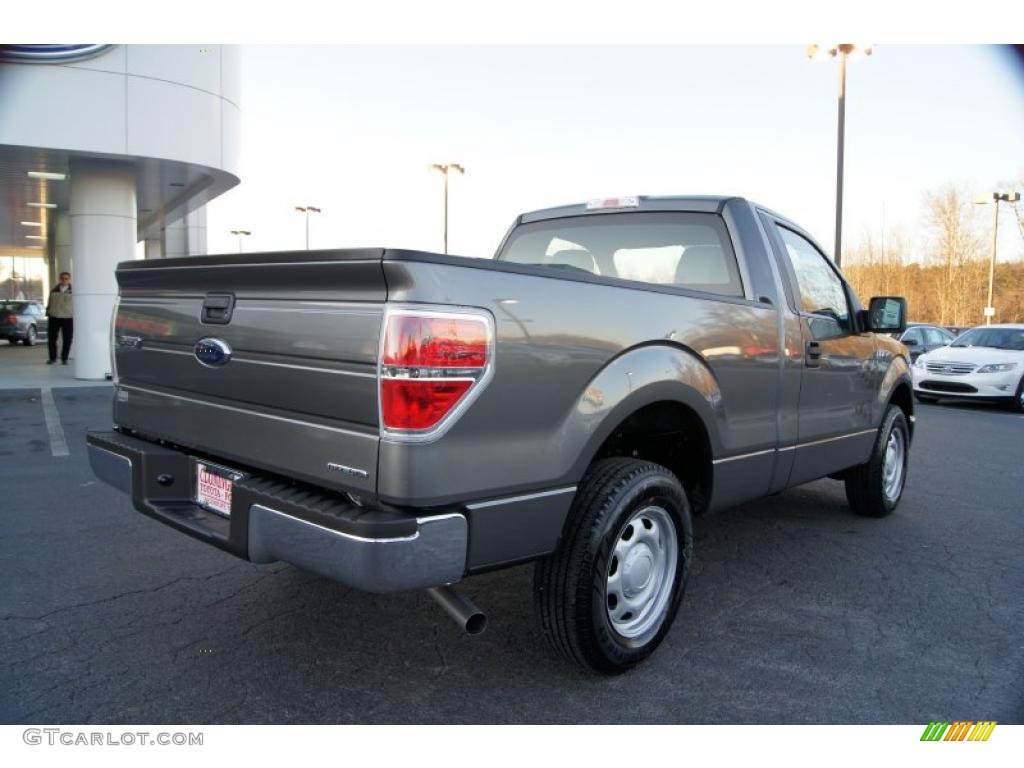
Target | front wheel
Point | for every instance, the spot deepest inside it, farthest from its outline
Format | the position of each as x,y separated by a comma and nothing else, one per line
1017,403
874,489
607,597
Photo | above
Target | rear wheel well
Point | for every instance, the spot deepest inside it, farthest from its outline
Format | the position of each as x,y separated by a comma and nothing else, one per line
904,398
673,435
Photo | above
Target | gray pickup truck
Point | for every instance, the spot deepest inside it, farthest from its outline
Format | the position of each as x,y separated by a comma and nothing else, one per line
401,420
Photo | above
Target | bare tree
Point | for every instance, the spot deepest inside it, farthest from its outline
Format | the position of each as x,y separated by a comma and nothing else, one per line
955,242
950,286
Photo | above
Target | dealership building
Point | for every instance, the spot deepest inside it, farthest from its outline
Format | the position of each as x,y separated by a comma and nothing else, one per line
109,153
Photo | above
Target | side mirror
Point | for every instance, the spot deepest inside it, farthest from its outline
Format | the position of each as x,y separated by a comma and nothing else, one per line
886,314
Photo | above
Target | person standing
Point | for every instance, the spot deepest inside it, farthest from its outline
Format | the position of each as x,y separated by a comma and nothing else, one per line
58,309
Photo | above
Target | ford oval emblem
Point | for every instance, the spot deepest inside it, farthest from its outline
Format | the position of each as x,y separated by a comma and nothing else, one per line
212,353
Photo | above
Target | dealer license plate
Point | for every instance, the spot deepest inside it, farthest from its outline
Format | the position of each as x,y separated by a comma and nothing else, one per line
214,487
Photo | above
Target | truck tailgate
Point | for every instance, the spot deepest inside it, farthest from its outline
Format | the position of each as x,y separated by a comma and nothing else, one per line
298,392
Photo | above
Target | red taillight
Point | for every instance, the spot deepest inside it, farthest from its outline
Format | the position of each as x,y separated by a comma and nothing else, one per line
429,363
412,404
12,319
435,342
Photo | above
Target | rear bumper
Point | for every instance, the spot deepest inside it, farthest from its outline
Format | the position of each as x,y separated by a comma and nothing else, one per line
365,548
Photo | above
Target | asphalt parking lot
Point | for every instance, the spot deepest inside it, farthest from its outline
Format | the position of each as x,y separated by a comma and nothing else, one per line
798,611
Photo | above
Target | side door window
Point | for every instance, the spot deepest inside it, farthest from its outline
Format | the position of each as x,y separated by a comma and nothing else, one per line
821,289
935,338
913,336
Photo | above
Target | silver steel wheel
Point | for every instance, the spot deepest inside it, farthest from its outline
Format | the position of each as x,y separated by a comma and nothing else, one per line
892,472
641,572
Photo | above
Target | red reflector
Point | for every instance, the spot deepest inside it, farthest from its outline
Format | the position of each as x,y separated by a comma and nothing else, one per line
417,404
435,342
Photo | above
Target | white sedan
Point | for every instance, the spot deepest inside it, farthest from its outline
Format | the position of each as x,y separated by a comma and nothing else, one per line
984,363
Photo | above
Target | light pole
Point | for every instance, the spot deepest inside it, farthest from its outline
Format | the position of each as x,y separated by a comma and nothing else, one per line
307,209
840,51
444,168
240,233
995,198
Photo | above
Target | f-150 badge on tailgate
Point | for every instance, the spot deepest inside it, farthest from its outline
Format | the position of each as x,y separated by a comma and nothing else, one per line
212,353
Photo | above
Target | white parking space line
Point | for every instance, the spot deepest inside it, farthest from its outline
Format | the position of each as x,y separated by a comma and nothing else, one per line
58,445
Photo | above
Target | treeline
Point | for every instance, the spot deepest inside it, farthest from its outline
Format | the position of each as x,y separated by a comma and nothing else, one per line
945,274
936,296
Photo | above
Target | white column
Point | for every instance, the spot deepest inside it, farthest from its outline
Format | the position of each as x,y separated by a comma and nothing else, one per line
154,248
103,231
62,245
175,239
196,224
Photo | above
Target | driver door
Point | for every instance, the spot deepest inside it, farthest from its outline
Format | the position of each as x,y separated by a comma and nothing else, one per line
838,380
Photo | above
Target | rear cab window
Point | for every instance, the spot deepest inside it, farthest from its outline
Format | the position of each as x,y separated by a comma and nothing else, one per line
670,248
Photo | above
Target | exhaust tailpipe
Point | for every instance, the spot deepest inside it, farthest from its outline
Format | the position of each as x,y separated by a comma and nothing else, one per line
462,610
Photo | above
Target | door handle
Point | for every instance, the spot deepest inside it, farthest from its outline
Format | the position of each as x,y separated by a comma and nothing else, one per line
813,357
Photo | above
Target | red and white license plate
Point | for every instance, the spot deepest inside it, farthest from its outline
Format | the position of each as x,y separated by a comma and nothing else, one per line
214,486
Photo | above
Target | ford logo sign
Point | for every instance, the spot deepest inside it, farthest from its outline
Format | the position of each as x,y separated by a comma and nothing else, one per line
51,53
212,353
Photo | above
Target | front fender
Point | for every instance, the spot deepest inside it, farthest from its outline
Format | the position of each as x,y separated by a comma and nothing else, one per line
897,372
636,378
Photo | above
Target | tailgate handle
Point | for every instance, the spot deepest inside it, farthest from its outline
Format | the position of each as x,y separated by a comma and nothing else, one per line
217,308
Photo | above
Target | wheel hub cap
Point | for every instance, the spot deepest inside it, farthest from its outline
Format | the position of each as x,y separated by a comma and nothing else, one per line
636,573
892,472
641,572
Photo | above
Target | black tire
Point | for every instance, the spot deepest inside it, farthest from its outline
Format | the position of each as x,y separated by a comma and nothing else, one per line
865,484
570,585
31,336
925,399
1017,404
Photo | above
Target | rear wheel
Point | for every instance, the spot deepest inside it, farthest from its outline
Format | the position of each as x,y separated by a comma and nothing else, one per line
607,597
31,336
874,489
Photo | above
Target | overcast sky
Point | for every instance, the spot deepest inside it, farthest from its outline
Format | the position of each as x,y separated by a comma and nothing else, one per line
353,130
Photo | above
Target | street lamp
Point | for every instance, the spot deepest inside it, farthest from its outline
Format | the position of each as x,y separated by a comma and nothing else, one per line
308,209
841,51
444,168
240,233
995,198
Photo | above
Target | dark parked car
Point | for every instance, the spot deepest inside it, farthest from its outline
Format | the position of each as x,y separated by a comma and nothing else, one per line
23,321
920,338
